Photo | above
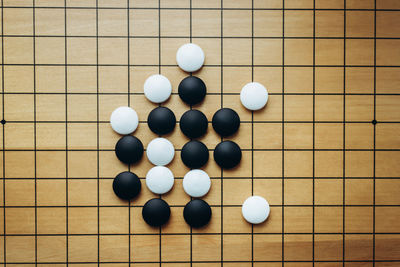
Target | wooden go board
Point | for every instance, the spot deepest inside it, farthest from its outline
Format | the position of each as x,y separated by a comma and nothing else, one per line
324,152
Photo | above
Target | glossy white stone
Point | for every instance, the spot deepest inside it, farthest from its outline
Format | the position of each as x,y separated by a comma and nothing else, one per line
254,96
255,209
159,179
157,88
124,120
190,57
160,151
196,183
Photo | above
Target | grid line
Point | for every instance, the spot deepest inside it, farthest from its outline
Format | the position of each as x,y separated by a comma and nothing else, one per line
202,8
98,132
313,142
34,125
66,136
374,153
344,138
241,261
4,132
222,105
129,104
283,134
198,37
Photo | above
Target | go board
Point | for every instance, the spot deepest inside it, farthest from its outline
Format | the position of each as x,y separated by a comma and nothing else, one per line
324,152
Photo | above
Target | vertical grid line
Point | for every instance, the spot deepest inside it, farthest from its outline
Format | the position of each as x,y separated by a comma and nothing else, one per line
283,132
159,42
252,127
222,103
129,104
34,122
374,153
191,198
97,132
344,136
190,16
313,153
66,129
159,71
4,131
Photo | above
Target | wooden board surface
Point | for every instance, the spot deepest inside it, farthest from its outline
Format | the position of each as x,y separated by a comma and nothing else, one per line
324,152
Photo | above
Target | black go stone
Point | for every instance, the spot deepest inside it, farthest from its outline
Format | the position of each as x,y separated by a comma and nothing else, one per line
197,213
194,154
156,212
193,123
127,185
161,120
226,122
227,154
192,90
129,149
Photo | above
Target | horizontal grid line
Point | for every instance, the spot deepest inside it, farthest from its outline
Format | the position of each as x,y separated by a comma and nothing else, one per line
194,261
213,177
202,8
210,93
211,205
211,149
199,234
205,65
255,121
199,37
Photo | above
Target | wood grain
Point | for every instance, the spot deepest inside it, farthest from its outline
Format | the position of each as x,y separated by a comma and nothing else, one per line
330,175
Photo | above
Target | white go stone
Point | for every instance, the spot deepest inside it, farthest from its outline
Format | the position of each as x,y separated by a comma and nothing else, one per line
190,57
157,88
124,120
160,151
254,96
159,180
255,209
196,183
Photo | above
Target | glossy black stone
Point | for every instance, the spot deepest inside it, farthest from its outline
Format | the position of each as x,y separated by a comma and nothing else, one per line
193,123
194,154
197,213
192,90
127,185
156,212
161,120
129,149
226,122
227,154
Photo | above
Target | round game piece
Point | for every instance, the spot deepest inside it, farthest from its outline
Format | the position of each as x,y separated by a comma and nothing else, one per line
192,90
124,120
126,185
159,180
255,209
226,122
190,57
194,154
161,120
197,213
227,154
156,212
157,88
193,123
129,149
254,96
160,151
196,183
